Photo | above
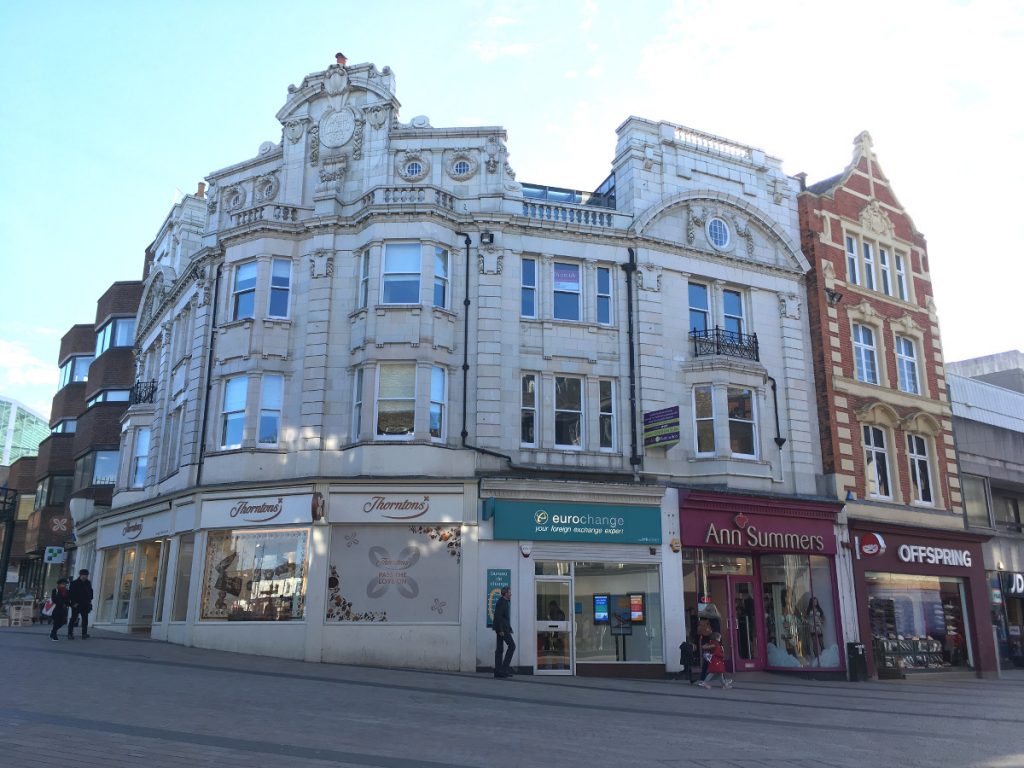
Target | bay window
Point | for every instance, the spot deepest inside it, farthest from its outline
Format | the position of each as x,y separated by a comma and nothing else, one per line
243,291
270,409
118,332
401,281
438,401
140,459
280,287
704,420
442,262
396,400
742,427
233,412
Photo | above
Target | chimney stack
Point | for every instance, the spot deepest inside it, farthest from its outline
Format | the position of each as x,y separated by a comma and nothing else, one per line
340,58
201,190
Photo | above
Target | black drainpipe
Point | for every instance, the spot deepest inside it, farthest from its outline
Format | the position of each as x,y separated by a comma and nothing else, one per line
465,365
779,439
630,268
209,380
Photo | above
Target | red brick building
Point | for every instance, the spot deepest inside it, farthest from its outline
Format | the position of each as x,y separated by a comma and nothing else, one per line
886,425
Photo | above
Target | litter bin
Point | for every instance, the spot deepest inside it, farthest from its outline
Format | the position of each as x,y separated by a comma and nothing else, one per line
856,662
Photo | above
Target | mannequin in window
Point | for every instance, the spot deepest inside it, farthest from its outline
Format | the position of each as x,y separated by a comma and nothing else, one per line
816,626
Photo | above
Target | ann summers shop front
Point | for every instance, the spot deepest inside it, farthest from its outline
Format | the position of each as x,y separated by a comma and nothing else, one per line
762,572
922,599
587,586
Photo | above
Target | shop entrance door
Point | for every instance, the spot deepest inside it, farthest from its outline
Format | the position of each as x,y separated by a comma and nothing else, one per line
736,600
553,627
148,584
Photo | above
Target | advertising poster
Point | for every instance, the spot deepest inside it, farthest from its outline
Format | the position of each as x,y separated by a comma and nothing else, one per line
394,573
601,609
496,579
622,623
637,608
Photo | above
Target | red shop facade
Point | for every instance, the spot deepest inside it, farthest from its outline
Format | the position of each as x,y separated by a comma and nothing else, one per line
922,600
761,570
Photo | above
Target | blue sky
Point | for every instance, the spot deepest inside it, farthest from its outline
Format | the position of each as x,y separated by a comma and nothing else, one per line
110,109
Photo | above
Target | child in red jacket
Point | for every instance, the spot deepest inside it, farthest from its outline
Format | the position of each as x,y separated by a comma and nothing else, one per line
714,652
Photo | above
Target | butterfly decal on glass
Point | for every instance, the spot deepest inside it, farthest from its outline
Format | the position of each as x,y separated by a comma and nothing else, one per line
438,606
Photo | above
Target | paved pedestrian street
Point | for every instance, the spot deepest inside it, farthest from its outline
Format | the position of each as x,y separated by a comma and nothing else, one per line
116,700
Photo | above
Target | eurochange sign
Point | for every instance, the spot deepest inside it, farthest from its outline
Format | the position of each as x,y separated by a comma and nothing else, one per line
600,523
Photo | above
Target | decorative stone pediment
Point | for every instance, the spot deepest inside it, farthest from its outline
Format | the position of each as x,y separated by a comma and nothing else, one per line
922,423
878,414
649,277
873,219
321,263
865,313
907,327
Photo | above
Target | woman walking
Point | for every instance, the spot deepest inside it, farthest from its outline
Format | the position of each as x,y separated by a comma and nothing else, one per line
61,601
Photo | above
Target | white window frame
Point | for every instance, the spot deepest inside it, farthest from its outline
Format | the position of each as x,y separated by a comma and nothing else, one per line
387,276
869,265
875,449
438,403
852,263
357,403
920,470
140,458
377,400
234,413
606,422
528,409
237,293
883,270
737,319
901,277
556,291
752,421
907,377
577,412
285,288
364,278
704,312
442,258
863,352
268,409
604,299
697,419
528,289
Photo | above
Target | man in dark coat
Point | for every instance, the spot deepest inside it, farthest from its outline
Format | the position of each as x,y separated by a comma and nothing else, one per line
502,626
81,603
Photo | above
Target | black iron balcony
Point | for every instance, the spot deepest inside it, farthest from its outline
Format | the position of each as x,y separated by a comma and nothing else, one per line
142,392
718,341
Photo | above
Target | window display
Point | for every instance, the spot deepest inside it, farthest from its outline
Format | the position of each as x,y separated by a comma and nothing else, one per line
798,611
631,594
255,575
395,574
917,622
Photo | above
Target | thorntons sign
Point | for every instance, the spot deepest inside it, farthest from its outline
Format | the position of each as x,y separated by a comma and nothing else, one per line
259,512
419,505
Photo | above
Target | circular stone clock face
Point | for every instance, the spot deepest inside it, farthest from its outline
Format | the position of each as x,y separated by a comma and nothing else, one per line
337,128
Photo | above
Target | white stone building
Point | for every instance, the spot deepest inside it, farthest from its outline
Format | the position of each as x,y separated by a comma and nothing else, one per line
390,378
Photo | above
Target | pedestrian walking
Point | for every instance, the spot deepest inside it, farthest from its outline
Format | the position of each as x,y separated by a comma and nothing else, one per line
61,599
502,626
80,592
714,652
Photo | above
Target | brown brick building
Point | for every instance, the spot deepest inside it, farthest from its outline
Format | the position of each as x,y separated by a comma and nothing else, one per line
886,425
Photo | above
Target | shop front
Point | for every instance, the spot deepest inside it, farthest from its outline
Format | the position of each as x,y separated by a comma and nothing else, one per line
1008,615
922,599
132,559
395,575
587,586
761,572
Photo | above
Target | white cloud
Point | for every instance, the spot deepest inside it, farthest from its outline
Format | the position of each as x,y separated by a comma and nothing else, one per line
26,378
490,51
589,13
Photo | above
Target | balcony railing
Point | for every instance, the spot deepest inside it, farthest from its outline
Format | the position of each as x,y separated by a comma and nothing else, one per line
142,392
718,341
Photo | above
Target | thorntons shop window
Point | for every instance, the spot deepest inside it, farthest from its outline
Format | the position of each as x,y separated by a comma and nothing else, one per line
255,575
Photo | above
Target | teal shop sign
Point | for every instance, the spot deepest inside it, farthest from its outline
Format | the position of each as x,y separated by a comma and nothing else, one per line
548,521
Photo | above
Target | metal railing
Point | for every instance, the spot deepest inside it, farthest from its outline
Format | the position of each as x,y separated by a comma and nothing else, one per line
142,392
718,341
